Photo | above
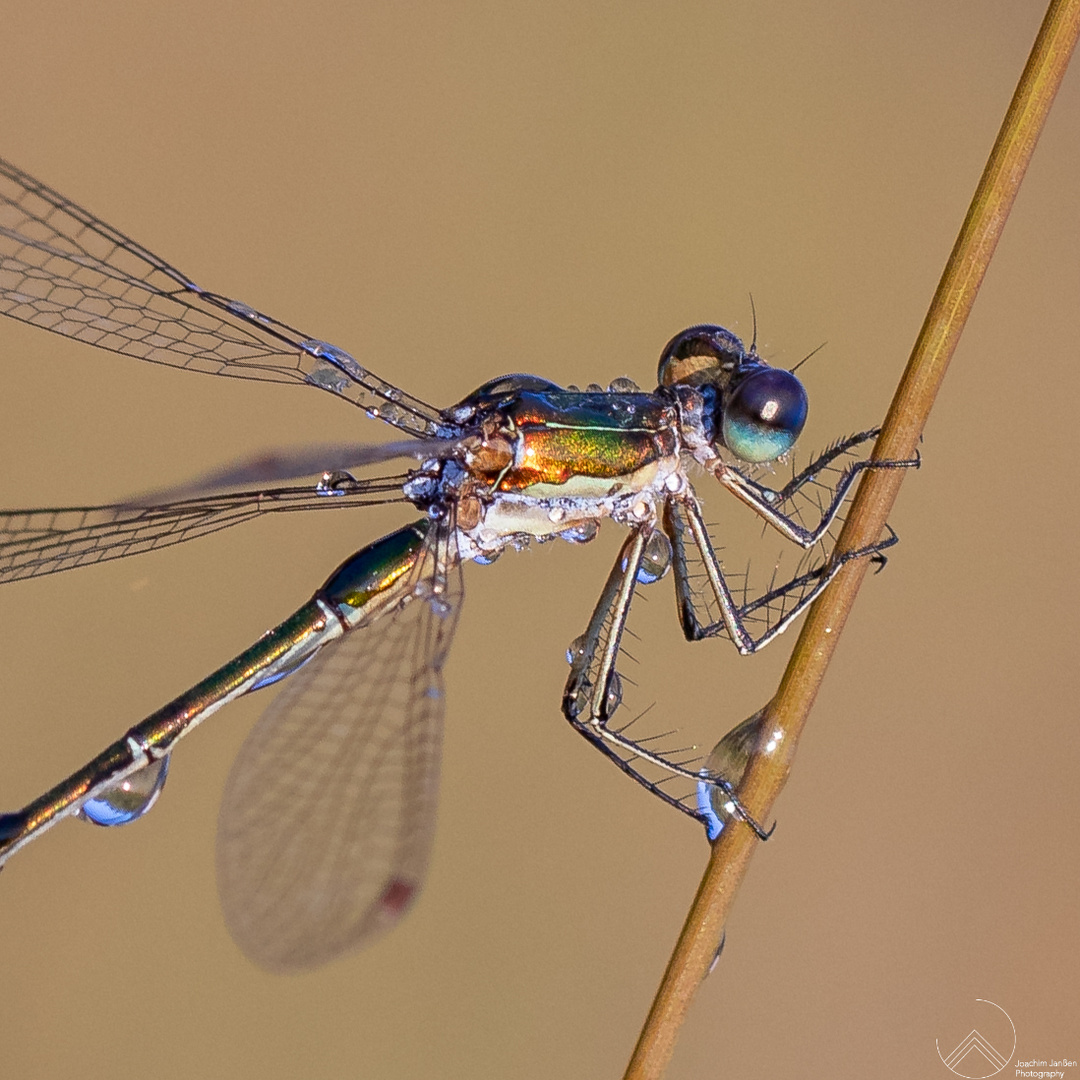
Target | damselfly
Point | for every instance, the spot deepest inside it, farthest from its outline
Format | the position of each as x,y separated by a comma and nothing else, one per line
327,816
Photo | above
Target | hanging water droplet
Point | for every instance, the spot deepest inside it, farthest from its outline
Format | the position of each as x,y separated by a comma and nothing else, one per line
581,533
655,559
613,699
486,558
623,385
731,755
729,759
277,676
130,798
575,649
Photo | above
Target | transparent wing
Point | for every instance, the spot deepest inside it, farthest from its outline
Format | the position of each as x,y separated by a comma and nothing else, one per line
328,814
38,542
65,270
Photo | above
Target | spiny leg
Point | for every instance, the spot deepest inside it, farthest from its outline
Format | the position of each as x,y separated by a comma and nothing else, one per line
766,501
593,690
683,521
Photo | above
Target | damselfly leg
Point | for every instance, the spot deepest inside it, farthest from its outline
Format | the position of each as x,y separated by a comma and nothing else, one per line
593,690
768,502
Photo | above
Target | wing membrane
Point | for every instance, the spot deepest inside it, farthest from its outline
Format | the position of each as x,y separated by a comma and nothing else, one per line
328,813
38,542
63,269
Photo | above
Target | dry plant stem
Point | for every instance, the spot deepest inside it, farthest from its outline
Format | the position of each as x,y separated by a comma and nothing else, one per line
899,439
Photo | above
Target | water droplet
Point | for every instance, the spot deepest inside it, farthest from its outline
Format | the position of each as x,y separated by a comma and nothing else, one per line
246,311
130,798
556,513
716,955
613,699
440,607
420,489
277,676
486,558
655,559
729,759
328,377
334,356
594,388
575,649
581,533
623,385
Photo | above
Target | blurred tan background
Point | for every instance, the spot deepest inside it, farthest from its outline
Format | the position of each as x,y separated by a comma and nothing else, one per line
451,192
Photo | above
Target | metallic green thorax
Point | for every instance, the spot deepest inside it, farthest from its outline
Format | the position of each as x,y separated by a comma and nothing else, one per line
564,434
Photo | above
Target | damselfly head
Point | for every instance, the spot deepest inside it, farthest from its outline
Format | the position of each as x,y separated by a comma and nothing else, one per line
758,411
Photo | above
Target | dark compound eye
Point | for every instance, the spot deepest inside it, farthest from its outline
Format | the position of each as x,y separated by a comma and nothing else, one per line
696,355
764,415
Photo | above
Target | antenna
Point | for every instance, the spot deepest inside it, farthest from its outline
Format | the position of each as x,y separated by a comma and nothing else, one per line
807,357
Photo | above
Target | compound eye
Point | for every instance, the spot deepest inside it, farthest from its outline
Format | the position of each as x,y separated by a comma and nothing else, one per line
764,415
697,355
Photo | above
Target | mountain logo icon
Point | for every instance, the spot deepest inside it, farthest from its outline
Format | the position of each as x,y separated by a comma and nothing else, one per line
975,1057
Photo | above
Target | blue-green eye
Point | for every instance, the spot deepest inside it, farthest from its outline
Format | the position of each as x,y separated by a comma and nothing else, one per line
763,415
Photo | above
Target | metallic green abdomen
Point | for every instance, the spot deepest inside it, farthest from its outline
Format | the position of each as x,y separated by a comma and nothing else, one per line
367,579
